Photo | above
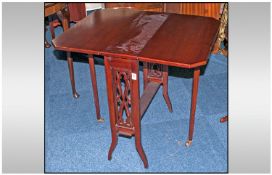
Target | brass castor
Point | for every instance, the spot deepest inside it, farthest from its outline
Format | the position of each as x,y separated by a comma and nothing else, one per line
76,95
101,120
46,44
188,143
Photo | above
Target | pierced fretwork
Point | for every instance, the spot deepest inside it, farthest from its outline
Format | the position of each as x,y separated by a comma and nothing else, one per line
154,70
123,99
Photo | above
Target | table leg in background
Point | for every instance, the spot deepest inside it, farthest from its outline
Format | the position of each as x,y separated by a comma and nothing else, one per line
157,73
64,16
165,88
95,91
71,73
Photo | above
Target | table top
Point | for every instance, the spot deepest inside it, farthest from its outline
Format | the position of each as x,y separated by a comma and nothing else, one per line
164,38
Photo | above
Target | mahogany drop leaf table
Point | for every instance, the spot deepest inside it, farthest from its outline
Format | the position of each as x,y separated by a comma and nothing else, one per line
126,37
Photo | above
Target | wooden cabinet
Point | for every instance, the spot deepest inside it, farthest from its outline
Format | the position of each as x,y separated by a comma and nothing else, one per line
77,11
155,7
200,9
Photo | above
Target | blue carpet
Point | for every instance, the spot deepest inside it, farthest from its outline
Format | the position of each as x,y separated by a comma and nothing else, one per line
75,142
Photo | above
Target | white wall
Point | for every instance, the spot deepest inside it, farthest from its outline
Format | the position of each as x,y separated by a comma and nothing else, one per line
92,6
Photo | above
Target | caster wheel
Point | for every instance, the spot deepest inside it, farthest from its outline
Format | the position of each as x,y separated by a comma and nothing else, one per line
76,95
46,44
188,143
101,120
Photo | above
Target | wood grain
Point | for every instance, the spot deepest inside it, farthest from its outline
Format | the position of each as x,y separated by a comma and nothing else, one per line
177,40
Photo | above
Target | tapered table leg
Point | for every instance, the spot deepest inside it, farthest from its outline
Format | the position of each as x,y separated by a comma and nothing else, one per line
71,73
64,15
193,106
95,91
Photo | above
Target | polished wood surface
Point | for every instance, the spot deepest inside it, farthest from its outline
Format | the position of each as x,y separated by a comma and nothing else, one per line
170,39
155,7
183,41
77,11
189,8
201,9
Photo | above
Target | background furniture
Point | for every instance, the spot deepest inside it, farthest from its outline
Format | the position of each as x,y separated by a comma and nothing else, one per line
77,11
223,33
62,12
199,9
51,9
155,7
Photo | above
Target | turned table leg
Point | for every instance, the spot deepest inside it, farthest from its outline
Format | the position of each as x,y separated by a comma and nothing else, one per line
193,106
95,91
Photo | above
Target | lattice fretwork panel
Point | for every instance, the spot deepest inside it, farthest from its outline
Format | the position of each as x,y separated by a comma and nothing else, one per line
123,99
